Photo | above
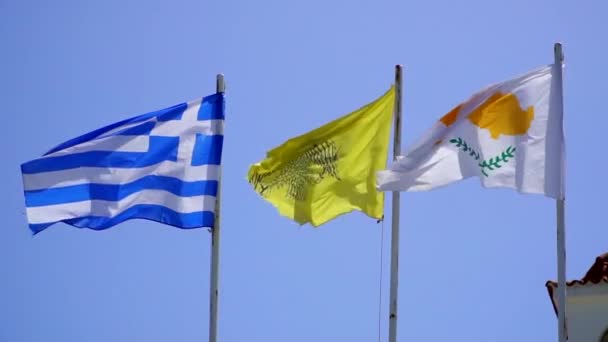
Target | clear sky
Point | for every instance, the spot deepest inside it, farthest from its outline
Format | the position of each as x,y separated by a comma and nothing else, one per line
473,261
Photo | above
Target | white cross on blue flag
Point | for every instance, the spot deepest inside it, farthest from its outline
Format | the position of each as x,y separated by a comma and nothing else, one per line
162,166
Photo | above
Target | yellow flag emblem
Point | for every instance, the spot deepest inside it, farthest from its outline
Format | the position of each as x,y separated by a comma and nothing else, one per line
331,170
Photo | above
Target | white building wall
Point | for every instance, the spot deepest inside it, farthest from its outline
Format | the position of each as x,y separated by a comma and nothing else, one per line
587,312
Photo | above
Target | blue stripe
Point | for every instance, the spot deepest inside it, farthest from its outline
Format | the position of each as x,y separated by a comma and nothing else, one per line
170,113
161,149
212,107
116,192
142,211
207,150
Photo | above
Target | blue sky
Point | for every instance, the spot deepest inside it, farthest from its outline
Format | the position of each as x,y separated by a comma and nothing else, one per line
473,261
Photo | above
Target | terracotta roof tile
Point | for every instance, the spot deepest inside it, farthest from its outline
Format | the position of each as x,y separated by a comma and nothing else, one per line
598,273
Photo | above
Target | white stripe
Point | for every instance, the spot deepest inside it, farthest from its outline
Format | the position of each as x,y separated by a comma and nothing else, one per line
104,175
59,212
191,112
116,143
174,128
187,130
125,126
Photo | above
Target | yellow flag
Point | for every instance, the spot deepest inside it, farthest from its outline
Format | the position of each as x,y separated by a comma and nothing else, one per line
331,170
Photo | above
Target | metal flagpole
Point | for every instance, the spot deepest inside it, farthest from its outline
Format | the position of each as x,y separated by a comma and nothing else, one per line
392,330
560,206
215,246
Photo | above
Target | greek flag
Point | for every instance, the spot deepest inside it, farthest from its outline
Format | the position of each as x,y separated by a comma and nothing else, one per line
162,166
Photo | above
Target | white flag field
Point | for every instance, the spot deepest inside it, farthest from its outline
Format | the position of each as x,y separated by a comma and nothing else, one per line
510,135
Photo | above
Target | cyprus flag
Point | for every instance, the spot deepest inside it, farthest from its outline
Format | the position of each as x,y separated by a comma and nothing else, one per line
509,135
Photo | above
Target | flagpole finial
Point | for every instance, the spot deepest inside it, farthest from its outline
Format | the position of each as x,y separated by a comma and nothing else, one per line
220,84
557,48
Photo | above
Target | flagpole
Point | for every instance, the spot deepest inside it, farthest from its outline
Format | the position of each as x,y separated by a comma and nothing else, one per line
560,209
392,330
215,246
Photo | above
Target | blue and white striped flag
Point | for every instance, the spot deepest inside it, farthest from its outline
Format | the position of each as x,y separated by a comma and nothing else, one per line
162,166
